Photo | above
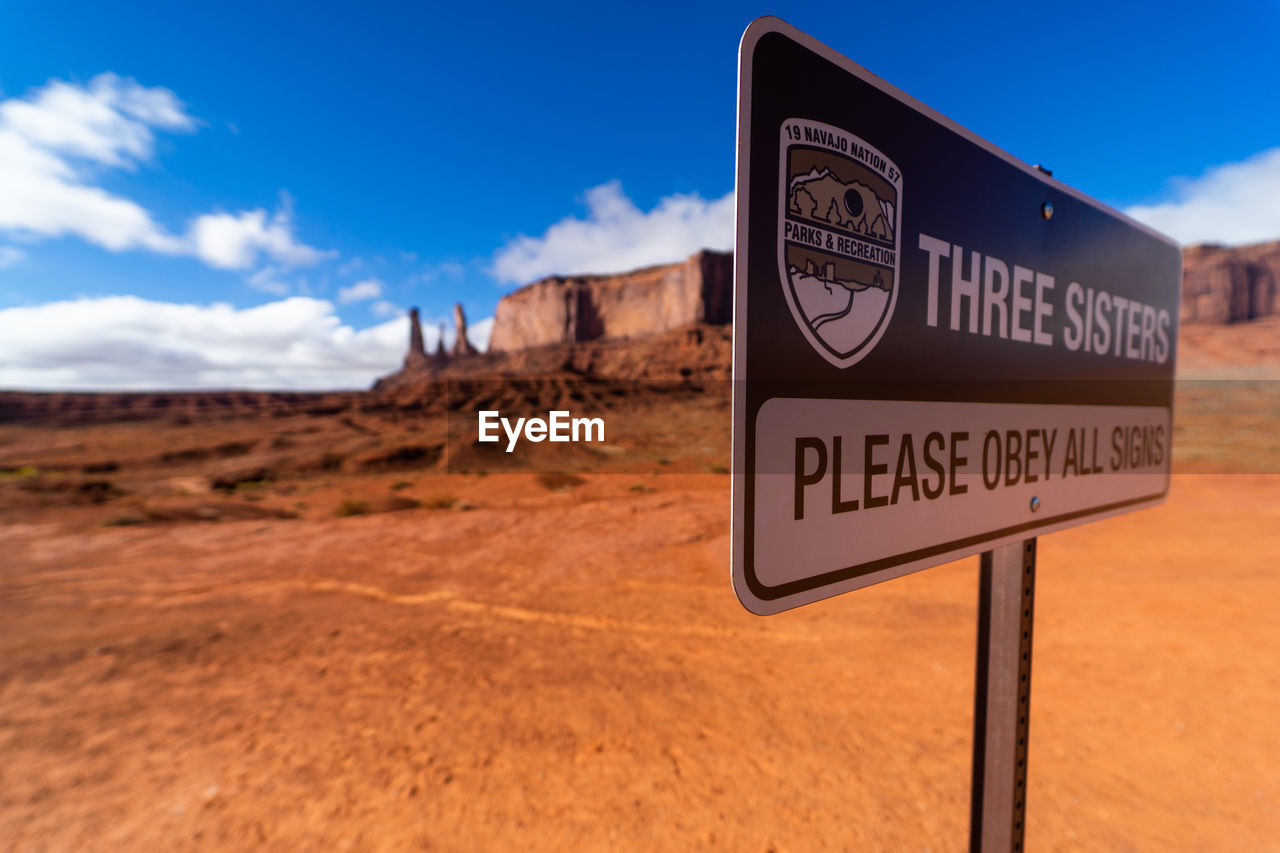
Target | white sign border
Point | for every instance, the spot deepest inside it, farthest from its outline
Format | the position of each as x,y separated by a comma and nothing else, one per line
755,31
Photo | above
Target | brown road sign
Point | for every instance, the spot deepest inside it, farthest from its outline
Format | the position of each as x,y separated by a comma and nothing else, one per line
938,349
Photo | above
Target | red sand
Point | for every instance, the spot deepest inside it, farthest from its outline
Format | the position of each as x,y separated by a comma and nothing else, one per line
570,670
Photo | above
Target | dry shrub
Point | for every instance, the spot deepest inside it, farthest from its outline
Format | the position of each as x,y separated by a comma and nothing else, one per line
125,519
351,507
560,481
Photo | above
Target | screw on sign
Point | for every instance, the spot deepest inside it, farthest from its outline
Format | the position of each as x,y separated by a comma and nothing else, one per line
920,377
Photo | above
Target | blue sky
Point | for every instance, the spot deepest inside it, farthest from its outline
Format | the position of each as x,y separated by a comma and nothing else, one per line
313,169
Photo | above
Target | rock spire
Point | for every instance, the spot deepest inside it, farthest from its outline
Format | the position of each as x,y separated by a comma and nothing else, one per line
461,346
417,354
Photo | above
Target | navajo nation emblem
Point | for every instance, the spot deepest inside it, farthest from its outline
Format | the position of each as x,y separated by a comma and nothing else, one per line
838,241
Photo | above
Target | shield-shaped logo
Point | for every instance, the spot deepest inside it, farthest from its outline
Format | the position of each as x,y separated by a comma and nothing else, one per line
839,210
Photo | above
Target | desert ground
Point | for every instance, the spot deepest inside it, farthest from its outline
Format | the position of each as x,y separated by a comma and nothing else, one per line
306,631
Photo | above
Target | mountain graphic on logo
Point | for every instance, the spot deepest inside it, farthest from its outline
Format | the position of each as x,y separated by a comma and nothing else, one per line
821,196
827,275
838,237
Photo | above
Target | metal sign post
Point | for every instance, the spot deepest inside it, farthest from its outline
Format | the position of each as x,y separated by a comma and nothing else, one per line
1002,698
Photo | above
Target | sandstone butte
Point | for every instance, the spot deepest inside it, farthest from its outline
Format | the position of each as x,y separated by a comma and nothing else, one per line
572,309
672,321
1230,285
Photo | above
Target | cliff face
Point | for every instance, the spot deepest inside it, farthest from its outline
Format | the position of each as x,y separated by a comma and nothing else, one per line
644,302
1219,285
1222,285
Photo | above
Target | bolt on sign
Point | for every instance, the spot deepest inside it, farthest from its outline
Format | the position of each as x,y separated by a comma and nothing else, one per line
938,349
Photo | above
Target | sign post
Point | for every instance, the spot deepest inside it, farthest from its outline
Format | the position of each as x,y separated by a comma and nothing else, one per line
939,351
1002,698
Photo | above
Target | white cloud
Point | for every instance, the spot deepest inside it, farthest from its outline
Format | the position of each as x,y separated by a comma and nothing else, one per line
56,142
383,308
267,280
109,121
617,236
369,288
43,197
47,142
479,332
123,342
1233,204
10,255
235,241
